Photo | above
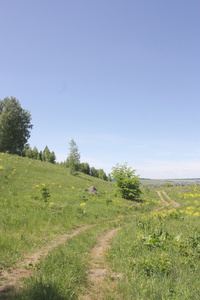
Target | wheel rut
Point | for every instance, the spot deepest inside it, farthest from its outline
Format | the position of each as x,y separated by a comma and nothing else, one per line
161,193
98,267
25,268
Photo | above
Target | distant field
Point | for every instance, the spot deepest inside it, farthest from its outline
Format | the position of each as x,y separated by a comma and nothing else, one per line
174,182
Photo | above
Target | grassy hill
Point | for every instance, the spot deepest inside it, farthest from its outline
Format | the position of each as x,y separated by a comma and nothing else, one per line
154,254
29,221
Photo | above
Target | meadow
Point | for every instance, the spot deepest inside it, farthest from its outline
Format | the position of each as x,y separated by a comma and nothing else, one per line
159,253
156,250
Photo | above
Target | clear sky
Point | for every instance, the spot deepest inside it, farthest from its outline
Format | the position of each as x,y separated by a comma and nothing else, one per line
121,77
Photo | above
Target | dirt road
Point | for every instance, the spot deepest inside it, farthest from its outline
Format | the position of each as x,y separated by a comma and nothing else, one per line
161,193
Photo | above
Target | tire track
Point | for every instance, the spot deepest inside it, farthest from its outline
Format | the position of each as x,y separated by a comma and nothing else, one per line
98,269
25,268
97,272
176,204
161,193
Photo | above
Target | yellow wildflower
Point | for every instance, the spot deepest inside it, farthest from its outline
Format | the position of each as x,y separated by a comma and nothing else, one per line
196,214
190,208
172,211
82,204
120,217
72,187
1,167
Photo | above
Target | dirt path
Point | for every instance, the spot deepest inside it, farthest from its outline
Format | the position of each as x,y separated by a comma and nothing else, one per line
98,269
176,204
162,199
165,202
25,268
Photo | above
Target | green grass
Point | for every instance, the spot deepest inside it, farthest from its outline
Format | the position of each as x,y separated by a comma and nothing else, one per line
63,275
159,253
28,222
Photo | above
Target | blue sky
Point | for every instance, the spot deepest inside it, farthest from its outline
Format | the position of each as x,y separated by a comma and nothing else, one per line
121,77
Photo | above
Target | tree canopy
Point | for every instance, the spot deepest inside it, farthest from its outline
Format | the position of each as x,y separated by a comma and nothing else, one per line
15,126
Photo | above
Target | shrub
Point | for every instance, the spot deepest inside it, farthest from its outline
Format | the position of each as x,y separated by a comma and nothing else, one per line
127,184
45,193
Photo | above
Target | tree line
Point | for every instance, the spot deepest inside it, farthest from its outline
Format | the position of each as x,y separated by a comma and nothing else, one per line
73,163
45,155
15,127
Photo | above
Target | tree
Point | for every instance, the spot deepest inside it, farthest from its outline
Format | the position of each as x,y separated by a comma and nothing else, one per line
94,172
29,151
73,158
102,174
52,157
15,125
85,168
40,155
35,153
48,156
109,177
127,184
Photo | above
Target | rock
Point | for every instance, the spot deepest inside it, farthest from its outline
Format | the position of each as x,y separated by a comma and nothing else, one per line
92,190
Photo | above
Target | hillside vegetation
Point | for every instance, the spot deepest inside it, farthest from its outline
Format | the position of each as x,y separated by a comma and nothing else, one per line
162,261
29,220
154,255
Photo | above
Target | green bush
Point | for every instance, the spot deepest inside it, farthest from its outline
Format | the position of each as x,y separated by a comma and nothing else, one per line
45,193
127,184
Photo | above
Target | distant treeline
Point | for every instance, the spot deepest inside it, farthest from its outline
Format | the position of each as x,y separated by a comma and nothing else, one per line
48,156
15,126
45,155
86,169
